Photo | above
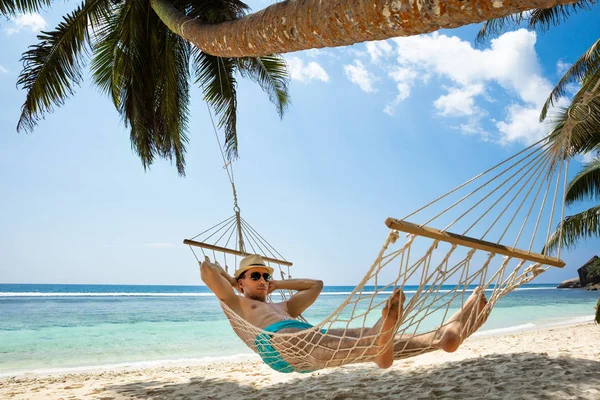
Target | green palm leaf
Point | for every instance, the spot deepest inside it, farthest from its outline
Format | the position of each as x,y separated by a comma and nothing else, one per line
575,228
587,65
213,11
271,73
172,97
537,19
496,26
216,76
586,184
542,19
107,52
13,7
53,67
144,67
585,133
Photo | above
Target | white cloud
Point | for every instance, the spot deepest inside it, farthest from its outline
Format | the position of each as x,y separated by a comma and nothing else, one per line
3,70
358,74
322,53
511,63
403,78
588,157
572,88
459,100
306,72
562,67
521,125
35,22
473,127
379,49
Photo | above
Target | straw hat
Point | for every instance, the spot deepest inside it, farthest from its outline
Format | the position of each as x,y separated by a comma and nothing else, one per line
251,261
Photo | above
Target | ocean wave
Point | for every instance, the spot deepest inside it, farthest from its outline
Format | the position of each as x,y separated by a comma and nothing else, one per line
508,329
542,324
573,321
101,294
195,294
180,362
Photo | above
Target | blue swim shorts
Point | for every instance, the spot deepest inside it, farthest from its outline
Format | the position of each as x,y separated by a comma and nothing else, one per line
271,356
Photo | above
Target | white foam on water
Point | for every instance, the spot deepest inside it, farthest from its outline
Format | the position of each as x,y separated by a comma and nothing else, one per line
509,329
192,294
182,362
100,294
531,326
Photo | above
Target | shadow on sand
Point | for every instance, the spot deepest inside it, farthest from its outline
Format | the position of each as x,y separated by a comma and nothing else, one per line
497,376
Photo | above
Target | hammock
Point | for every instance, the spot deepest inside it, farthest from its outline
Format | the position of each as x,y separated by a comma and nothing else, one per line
490,232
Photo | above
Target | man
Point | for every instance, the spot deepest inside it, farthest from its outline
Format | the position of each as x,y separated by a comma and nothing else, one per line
254,281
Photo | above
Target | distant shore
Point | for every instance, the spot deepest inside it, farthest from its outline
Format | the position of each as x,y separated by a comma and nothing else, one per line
552,363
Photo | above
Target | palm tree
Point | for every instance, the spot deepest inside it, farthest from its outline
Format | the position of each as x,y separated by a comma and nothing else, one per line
295,25
537,19
141,52
584,186
144,67
579,122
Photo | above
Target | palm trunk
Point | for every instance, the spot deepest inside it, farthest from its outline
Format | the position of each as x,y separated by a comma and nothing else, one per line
294,25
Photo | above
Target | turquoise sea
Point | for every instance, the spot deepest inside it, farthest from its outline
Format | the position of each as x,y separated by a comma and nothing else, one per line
50,327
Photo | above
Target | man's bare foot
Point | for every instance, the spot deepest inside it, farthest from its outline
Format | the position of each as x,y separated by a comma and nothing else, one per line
464,322
390,315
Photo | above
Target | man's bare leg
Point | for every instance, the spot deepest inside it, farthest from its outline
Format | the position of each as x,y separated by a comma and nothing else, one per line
356,345
340,346
450,335
389,316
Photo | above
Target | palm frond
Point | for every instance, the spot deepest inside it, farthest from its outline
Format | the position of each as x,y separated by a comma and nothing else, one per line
172,97
213,11
53,67
586,184
538,19
109,59
542,19
575,228
13,7
271,73
216,76
587,65
496,26
584,112
144,67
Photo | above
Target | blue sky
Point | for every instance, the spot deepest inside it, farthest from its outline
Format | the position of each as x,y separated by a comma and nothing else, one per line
374,131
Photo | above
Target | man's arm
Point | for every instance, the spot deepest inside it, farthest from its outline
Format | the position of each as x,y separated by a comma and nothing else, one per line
220,282
308,291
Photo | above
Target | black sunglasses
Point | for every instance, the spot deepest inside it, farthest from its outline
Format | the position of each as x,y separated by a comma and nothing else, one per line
255,276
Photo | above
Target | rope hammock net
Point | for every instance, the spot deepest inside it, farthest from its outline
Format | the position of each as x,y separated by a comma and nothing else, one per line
489,232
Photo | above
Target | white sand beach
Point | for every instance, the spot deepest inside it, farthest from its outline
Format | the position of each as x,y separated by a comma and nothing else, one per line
554,363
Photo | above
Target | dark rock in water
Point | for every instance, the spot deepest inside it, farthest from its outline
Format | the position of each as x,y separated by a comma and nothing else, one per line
570,283
583,272
589,276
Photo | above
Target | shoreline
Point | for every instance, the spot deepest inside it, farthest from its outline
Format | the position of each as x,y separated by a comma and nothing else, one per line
552,364
252,357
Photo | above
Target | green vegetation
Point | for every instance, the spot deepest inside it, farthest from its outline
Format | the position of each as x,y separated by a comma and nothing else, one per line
593,271
145,69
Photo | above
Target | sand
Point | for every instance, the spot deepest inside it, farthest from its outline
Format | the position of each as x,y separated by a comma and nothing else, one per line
555,363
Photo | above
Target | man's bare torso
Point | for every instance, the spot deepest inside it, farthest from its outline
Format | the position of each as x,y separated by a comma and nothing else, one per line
260,313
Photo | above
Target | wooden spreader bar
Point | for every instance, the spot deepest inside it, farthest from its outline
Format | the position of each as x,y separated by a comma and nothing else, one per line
231,251
466,241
